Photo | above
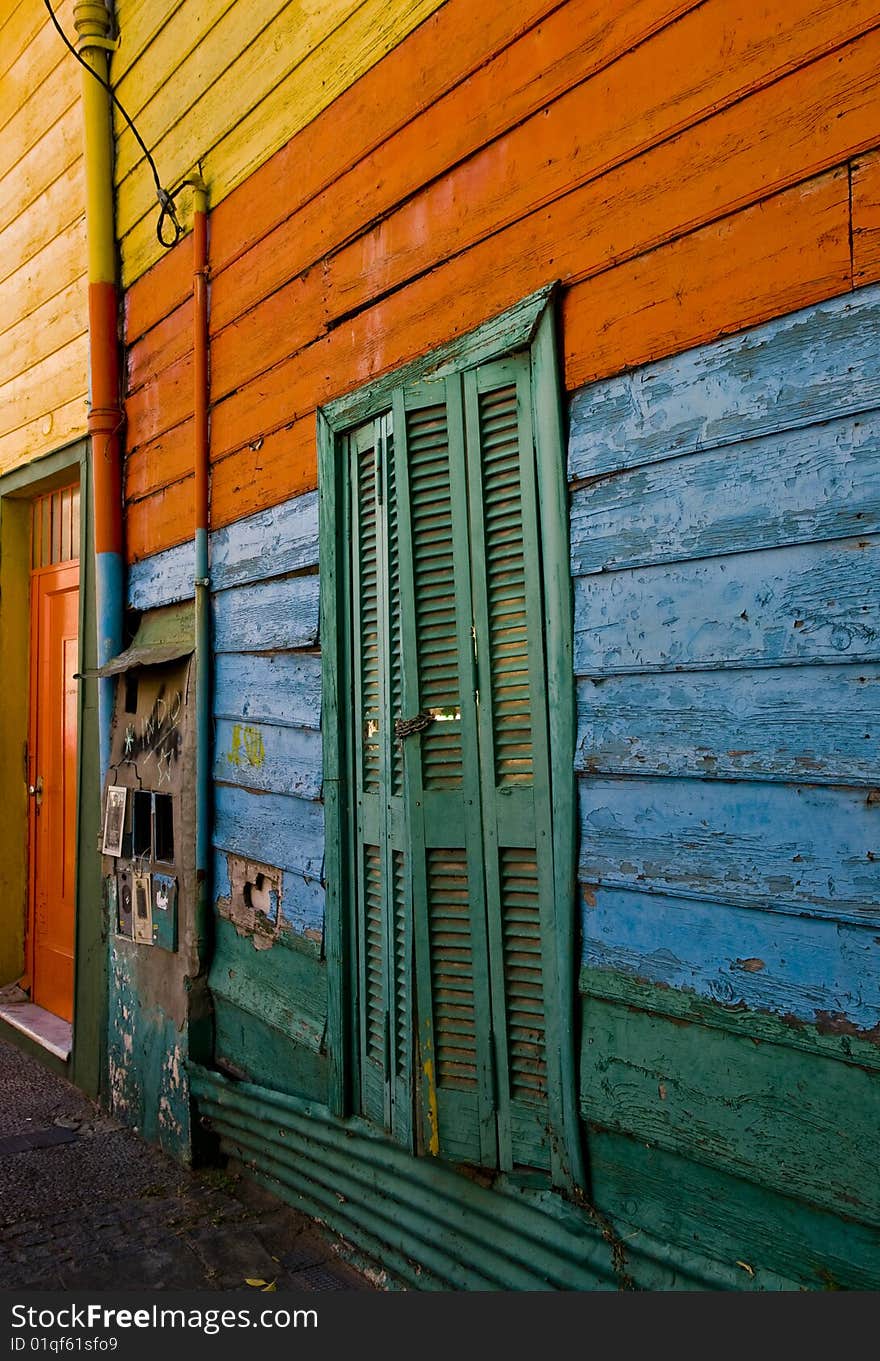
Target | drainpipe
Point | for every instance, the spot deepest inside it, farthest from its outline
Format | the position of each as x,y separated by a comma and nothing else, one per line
93,26
202,570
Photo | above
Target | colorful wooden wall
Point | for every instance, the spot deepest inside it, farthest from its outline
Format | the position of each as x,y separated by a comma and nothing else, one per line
227,84
704,179
43,297
725,512
492,149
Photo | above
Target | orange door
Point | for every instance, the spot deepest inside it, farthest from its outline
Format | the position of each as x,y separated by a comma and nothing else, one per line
52,773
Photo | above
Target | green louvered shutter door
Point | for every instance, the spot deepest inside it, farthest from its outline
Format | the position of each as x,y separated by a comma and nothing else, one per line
384,919
442,777
513,744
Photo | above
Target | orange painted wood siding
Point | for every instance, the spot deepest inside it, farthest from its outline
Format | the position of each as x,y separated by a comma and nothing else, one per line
685,169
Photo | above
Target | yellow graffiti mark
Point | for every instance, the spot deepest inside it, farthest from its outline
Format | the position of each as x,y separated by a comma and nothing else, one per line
247,746
253,746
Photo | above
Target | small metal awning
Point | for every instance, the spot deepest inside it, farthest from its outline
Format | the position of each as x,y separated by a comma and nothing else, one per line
164,635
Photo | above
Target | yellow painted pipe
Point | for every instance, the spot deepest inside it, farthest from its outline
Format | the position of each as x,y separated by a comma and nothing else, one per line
92,22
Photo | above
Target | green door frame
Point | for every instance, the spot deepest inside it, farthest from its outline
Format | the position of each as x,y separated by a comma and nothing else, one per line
17,490
530,325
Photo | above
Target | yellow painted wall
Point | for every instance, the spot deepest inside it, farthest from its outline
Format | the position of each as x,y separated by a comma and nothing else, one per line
228,84
43,293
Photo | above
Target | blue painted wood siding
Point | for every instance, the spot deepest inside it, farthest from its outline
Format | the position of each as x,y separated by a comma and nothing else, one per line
725,507
267,694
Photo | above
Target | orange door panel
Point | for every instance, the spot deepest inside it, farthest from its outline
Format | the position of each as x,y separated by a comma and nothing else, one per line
52,770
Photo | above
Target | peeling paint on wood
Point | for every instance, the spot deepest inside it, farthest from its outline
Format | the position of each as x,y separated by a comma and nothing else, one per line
280,689
275,828
813,602
281,613
290,759
285,988
789,966
778,848
817,724
272,542
302,904
163,578
799,487
253,904
728,1217
795,1122
806,367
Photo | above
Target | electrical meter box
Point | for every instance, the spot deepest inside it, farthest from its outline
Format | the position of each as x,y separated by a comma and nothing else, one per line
148,827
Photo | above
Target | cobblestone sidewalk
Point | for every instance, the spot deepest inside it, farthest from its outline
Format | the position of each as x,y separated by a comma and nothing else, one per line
86,1204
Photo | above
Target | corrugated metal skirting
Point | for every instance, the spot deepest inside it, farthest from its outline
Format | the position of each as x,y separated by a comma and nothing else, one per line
426,1223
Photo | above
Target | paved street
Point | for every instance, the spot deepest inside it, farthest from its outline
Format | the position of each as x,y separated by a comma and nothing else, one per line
86,1204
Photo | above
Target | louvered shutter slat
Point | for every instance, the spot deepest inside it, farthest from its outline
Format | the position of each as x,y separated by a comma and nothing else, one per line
442,779
513,743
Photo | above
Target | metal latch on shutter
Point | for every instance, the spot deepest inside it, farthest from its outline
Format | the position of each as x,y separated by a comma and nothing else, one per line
404,727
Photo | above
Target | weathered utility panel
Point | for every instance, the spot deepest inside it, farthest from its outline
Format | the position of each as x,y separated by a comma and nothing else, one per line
148,847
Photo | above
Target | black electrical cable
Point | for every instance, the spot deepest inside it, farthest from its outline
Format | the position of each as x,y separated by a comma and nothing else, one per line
166,199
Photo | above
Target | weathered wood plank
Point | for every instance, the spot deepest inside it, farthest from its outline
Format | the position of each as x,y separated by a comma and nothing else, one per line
760,1027
28,179
866,220
652,203
791,251
795,244
281,689
803,368
267,758
163,578
302,899
41,88
767,142
283,468
434,59
282,539
775,257
733,499
820,972
281,613
58,262
285,988
269,544
820,724
35,392
61,209
286,466
161,520
248,1046
730,1218
148,357
190,49
795,1122
274,829
809,603
47,327
32,439
293,73
804,850
649,200
438,128
19,26
149,469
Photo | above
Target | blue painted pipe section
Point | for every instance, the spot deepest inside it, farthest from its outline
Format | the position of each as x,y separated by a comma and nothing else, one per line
204,740
109,598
